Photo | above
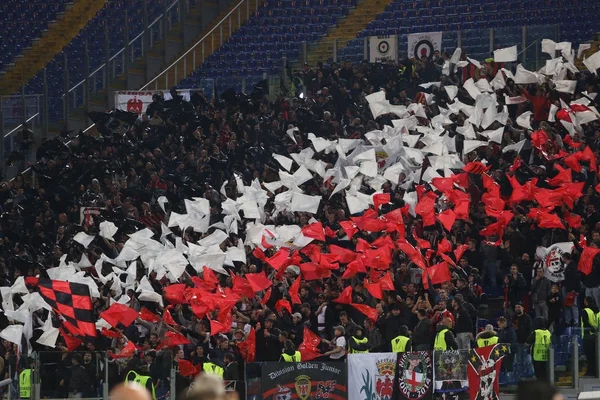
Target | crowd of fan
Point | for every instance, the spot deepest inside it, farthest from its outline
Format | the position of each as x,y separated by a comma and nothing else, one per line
182,150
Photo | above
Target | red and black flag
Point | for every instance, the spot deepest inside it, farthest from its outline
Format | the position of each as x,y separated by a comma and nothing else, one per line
73,302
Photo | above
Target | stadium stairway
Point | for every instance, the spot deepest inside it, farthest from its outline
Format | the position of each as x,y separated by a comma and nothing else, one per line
43,50
199,20
346,29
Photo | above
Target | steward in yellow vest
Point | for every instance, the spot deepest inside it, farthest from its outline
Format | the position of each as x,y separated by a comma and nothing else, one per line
142,380
487,338
213,369
589,322
541,340
589,328
401,343
25,384
290,354
358,343
444,339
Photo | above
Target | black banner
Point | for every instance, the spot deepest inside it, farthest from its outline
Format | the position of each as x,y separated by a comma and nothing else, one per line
304,381
415,376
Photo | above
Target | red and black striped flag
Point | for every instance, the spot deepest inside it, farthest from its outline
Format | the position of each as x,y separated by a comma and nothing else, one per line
73,302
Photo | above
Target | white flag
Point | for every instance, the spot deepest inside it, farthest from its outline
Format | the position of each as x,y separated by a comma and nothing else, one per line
370,371
508,54
593,62
565,86
470,145
524,120
552,258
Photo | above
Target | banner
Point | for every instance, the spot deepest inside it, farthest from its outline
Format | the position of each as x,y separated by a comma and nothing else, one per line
137,102
87,214
415,375
424,44
552,259
484,371
450,371
304,380
383,48
371,376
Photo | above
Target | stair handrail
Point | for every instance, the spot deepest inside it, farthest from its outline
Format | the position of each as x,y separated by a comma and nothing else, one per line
131,42
192,48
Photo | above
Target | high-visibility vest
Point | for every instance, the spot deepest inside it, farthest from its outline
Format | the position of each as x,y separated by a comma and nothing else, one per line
541,345
593,320
213,369
297,357
440,340
487,342
358,341
25,384
141,380
399,344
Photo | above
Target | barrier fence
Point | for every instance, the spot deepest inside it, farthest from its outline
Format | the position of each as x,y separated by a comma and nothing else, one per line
417,374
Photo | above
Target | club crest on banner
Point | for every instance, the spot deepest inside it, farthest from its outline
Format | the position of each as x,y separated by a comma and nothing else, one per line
283,393
484,369
450,371
424,44
415,374
324,389
135,105
303,386
384,380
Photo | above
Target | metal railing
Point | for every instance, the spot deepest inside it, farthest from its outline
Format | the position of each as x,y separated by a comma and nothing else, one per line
118,63
215,35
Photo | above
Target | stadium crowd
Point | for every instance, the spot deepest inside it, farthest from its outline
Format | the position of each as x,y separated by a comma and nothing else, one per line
415,268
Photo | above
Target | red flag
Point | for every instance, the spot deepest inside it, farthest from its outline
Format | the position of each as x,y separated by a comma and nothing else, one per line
539,138
444,246
314,231
345,297
375,289
294,291
459,251
461,209
110,333
587,259
174,293
186,368
387,283
241,286
563,115
439,273
444,185
173,339
72,342
119,313
549,221
148,316
354,268
259,281
349,228
344,256
266,297
31,281
413,254
126,352
371,313
476,167
283,304
588,155
396,216
421,243
168,318
265,244
216,327
447,218
425,208
312,271
279,258
248,347
573,220
258,253
210,277
562,178
308,347
379,199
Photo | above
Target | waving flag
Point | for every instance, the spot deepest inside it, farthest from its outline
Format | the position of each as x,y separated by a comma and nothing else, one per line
73,302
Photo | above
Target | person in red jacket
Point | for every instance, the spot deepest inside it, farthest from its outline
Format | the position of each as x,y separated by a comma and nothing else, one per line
541,104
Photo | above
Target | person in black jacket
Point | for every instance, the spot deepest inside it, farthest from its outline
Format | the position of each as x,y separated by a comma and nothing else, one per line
232,369
78,383
522,323
463,326
268,347
421,336
391,324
